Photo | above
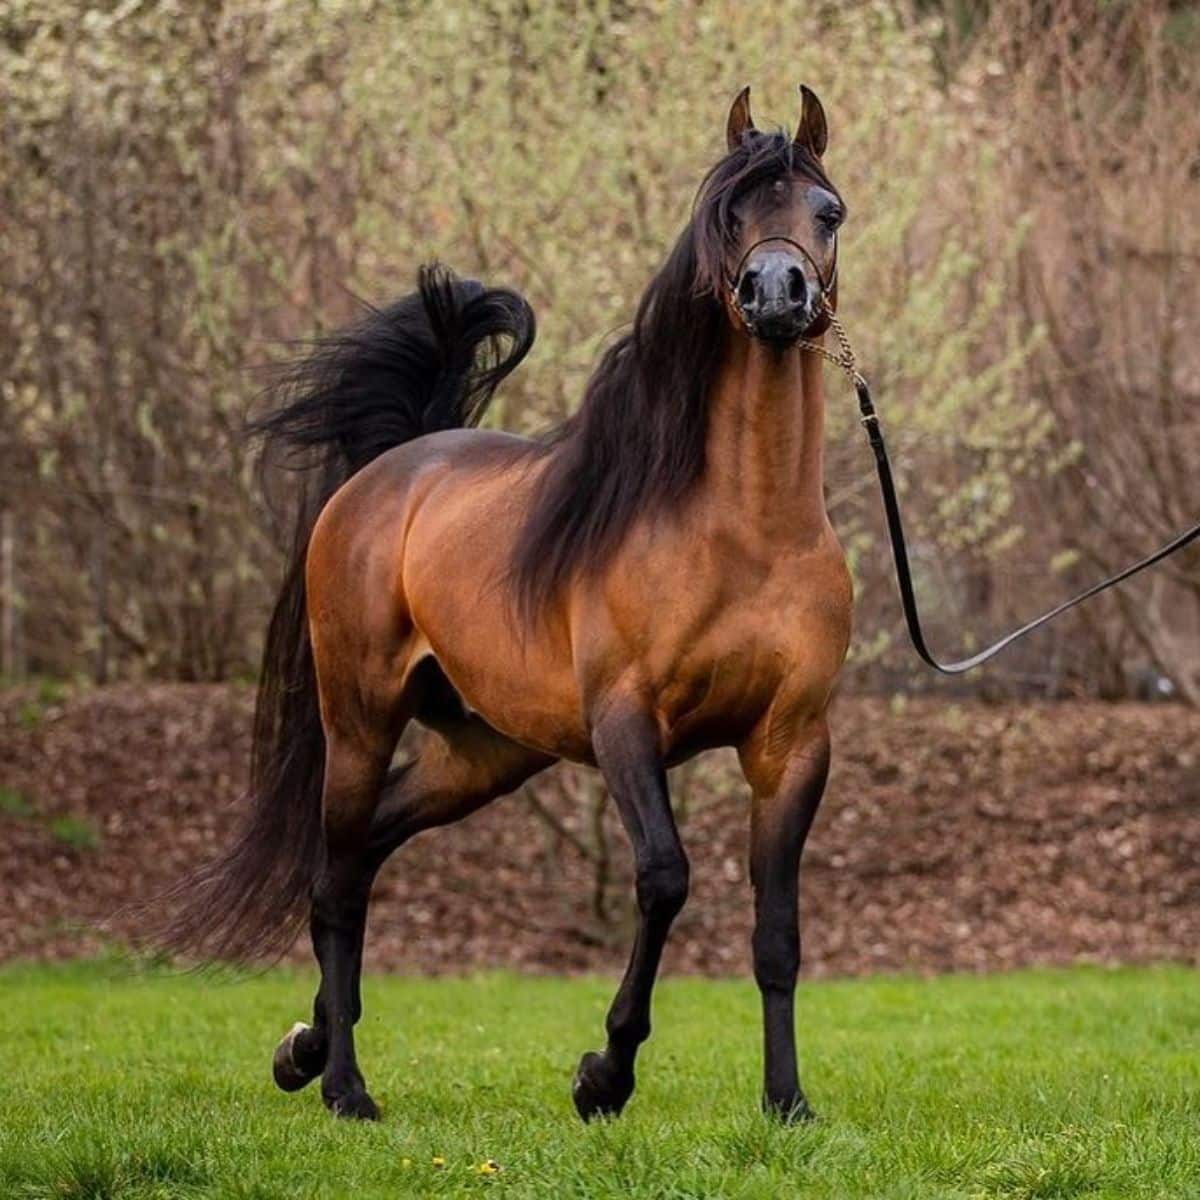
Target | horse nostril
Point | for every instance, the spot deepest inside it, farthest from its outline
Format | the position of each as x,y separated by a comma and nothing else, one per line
747,291
797,288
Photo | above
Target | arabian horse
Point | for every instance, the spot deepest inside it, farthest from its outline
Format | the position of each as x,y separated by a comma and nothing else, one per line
655,577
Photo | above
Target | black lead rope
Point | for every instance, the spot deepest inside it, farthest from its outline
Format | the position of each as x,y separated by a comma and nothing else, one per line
891,507
891,504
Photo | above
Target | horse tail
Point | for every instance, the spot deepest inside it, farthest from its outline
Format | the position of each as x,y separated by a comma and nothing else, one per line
430,361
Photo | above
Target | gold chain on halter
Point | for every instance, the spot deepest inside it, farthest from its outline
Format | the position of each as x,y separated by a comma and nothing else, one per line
844,358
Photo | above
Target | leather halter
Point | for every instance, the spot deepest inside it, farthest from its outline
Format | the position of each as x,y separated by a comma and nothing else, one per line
825,300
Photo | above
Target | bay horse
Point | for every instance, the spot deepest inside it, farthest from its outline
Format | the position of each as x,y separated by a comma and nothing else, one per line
655,577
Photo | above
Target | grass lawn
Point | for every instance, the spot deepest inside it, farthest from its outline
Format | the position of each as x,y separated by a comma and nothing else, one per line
1080,1083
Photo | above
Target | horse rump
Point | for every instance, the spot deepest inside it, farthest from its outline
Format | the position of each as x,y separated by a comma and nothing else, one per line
430,361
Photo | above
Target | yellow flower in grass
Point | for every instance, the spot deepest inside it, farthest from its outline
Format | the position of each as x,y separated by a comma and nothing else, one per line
439,1161
488,1167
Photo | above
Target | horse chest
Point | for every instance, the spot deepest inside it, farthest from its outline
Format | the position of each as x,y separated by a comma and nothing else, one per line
721,646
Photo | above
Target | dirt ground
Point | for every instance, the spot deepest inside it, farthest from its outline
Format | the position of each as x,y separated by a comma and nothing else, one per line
953,837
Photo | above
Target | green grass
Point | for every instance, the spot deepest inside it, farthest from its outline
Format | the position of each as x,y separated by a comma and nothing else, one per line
1071,1084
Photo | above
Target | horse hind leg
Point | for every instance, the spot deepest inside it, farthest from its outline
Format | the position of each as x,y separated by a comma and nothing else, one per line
355,769
460,767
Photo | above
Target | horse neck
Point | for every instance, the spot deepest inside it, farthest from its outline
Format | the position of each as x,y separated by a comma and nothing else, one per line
765,455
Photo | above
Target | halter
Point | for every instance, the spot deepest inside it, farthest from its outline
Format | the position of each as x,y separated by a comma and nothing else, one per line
825,305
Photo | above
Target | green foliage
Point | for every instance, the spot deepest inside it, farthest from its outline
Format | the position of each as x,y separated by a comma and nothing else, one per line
79,833
194,181
45,695
1033,1085
51,691
14,804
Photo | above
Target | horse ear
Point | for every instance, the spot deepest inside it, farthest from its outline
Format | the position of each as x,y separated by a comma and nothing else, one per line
812,133
740,121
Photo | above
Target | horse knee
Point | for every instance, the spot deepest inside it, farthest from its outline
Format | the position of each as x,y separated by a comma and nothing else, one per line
662,887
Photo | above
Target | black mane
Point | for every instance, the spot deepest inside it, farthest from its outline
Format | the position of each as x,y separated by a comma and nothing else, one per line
637,443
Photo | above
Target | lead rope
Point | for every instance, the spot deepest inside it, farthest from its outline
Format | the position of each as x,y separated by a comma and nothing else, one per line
844,360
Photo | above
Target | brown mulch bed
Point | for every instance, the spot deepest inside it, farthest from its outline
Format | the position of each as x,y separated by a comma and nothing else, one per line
953,837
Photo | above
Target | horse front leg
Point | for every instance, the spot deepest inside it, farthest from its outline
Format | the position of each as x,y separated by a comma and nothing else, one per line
786,799
628,754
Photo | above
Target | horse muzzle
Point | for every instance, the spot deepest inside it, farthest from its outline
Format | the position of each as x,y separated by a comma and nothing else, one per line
775,298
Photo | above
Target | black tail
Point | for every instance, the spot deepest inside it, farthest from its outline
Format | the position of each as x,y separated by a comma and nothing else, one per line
430,361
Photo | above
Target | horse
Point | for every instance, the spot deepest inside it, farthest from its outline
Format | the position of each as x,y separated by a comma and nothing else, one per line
655,577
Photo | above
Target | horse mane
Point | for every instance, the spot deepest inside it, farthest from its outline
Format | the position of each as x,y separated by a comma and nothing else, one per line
636,445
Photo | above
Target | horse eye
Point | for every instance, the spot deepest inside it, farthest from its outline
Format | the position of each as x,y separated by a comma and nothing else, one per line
830,219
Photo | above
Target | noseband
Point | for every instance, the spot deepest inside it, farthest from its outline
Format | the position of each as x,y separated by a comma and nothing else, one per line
827,286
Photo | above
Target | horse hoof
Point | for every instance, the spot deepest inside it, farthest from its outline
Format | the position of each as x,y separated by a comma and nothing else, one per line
294,1066
600,1090
355,1105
